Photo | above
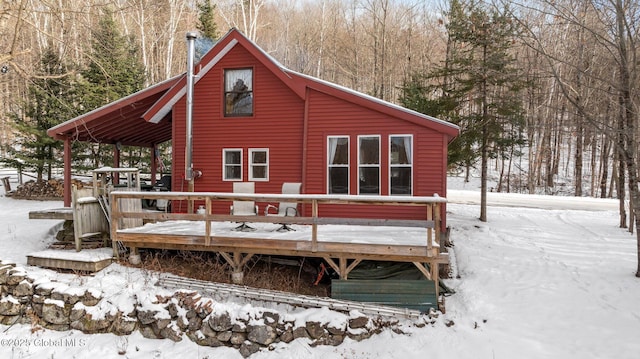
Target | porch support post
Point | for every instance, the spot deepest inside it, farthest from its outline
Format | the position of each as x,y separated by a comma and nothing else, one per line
154,163
67,172
116,162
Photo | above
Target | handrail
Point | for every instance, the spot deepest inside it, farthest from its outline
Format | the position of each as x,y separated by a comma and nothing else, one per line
432,205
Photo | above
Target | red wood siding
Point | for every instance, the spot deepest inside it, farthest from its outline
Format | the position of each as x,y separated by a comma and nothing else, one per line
277,124
332,116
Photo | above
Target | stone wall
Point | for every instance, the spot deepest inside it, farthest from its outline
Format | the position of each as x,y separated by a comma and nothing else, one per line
182,314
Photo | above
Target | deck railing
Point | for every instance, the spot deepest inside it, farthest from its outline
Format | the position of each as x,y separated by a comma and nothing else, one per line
431,222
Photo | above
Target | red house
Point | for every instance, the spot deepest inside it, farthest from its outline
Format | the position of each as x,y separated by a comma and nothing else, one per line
255,121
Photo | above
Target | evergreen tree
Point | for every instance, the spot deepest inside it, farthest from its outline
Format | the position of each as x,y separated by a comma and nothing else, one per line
206,20
207,27
50,102
114,71
478,87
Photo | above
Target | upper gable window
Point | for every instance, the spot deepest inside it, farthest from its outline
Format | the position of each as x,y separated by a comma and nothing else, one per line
238,92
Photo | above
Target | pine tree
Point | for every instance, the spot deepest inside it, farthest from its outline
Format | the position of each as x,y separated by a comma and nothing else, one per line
114,71
50,102
478,87
207,27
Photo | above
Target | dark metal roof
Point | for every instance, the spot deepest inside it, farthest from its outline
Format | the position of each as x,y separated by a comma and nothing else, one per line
121,121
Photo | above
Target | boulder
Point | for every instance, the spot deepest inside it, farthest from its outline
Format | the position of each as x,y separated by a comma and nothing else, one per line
220,323
261,334
55,312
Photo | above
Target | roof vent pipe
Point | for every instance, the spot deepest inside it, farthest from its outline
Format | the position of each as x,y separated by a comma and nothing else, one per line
188,163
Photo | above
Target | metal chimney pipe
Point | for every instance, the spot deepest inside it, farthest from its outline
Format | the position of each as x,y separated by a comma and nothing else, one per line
188,163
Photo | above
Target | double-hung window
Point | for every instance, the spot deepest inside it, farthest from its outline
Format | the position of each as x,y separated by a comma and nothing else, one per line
258,164
338,164
232,164
369,164
238,92
401,164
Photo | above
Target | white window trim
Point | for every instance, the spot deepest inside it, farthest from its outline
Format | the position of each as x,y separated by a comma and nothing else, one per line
224,164
410,165
379,166
251,164
329,165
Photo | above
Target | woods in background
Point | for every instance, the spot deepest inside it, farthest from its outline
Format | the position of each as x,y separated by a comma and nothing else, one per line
573,130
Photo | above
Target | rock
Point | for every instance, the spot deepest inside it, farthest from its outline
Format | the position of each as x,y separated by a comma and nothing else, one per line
55,312
23,289
183,324
123,325
38,299
205,341
208,332
172,308
91,326
194,324
224,336
77,314
43,289
4,272
237,338
220,323
287,336
315,330
333,340
336,331
67,297
148,333
359,322
300,332
90,299
10,306
160,324
147,317
15,277
248,348
9,319
37,309
261,334
191,313
359,336
170,333
271,318
56,327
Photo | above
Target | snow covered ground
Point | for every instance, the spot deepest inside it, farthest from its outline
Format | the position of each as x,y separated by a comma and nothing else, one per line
550,282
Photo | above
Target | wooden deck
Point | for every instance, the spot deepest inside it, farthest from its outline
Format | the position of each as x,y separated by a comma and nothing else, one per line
89,260
64,213
342,242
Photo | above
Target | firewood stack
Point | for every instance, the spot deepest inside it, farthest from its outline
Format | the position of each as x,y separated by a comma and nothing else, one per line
51,189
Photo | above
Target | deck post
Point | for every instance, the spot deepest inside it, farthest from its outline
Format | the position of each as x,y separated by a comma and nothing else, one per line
207,222
115,219
314,226
134,256
67,171
429,230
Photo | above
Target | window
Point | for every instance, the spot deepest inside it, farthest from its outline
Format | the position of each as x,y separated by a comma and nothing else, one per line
232,164
238,92
400,164
369,164
258,164
338,166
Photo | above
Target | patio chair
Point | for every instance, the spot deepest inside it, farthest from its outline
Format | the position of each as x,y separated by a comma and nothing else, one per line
244,208
285,208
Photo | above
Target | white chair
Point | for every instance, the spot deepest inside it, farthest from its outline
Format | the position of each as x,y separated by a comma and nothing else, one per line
285,208
244,208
